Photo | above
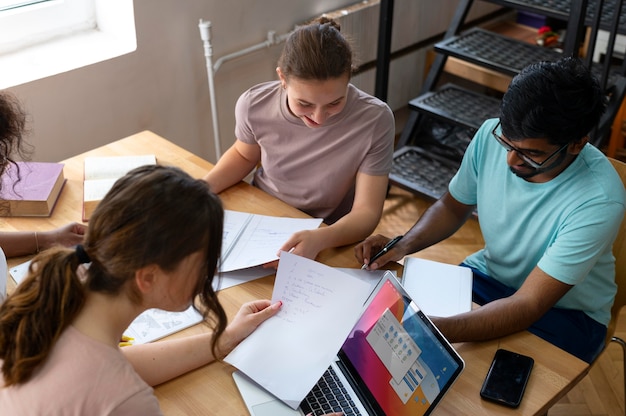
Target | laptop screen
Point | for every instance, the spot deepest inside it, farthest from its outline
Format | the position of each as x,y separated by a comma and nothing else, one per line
398,358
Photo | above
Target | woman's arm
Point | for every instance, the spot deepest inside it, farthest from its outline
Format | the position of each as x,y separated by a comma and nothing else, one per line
21,243
505,316
233,166
161,361
369,199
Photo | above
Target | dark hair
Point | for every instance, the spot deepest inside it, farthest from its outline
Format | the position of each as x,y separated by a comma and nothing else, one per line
559,101
12,131
153,215
316,51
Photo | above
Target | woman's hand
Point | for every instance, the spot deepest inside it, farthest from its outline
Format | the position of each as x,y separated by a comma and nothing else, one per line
306,243
250,316
69,235
158,362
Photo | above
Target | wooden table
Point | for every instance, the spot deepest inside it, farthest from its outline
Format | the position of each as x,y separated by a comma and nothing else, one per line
211,390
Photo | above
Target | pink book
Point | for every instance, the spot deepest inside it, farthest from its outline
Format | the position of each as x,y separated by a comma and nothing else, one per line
37,191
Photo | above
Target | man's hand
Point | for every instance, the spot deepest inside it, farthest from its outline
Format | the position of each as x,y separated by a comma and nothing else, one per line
365,250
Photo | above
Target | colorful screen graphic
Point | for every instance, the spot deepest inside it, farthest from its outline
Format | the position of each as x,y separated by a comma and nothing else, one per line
398,355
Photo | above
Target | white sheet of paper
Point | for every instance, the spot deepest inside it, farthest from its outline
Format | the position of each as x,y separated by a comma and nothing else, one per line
155,324
94,189
372,277
19,272
439,289
234,224
258,241
289,352
237,277
101,167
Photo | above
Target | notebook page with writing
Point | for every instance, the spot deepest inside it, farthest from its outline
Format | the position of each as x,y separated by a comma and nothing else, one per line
253,239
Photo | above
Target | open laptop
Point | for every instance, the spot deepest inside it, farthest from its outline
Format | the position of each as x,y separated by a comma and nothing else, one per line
394,362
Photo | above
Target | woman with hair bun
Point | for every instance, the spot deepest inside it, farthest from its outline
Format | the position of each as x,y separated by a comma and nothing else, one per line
317,142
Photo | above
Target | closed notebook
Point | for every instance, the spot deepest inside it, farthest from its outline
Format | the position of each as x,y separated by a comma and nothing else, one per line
36,191
439,289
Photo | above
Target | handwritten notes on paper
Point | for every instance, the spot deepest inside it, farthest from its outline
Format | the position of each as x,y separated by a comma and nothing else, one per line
302,295
251,239
289,352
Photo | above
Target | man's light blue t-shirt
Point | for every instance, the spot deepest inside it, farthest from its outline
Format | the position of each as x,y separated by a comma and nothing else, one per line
565,226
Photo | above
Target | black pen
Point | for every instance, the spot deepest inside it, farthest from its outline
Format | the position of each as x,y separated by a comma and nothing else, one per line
385,249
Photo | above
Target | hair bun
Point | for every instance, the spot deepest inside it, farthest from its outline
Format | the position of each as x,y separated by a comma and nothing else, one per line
324,20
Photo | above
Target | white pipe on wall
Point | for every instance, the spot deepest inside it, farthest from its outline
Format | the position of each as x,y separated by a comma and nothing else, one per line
205,35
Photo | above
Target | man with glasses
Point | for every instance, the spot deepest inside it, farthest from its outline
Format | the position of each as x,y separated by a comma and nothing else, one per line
549,206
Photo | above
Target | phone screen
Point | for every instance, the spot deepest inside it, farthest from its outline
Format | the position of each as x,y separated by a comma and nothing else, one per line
507,377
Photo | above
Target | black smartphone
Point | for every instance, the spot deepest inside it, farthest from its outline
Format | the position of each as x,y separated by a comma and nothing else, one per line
507,378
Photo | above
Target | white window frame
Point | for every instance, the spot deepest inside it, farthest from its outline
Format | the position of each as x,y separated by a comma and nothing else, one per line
100,30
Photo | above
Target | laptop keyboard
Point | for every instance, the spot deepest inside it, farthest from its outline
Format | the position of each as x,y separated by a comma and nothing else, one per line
328,396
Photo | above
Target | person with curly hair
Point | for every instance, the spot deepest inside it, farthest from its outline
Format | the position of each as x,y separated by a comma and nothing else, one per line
12,144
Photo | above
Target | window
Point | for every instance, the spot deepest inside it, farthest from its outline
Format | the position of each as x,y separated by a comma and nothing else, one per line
24,23
11,4
40,38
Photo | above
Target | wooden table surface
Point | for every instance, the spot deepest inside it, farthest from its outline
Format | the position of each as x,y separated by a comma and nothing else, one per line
211,390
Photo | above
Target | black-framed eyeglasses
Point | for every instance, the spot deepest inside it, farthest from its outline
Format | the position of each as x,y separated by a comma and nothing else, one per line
527,159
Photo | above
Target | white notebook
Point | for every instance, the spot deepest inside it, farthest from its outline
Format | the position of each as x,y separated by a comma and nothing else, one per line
439,289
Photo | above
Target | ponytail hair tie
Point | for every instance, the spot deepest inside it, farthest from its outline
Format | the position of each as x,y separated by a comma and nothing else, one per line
82,255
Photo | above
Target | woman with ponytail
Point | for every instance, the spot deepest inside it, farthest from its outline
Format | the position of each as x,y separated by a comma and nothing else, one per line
153,242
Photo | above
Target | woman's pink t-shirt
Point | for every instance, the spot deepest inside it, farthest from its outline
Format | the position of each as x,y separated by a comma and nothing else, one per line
315,170
81,377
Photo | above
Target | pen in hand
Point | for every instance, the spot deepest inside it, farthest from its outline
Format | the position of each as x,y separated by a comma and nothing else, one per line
384,250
